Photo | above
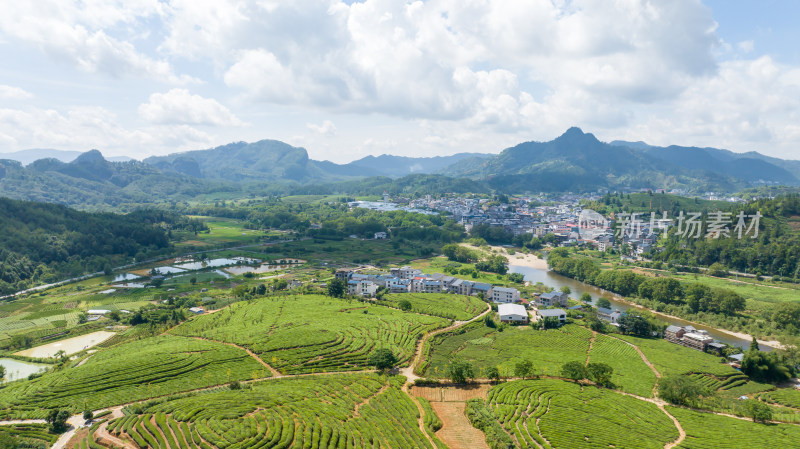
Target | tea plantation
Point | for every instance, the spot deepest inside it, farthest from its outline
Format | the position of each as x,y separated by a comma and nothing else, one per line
314,333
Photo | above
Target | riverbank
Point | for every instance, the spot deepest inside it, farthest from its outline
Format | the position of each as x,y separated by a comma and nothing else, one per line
740,335
522,259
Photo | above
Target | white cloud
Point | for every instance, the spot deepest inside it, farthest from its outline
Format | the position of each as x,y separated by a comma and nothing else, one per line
178,106
84,128
14,93
80,33
327,128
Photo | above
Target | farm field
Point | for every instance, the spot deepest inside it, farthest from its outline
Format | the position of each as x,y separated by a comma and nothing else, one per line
788,397
353,411
709,431
129,372
454,307
555,413
350,251
631,374
670,358
36,435
313,333
486,347
222,231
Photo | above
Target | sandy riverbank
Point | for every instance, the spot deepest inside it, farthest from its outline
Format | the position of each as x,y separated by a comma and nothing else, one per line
522,259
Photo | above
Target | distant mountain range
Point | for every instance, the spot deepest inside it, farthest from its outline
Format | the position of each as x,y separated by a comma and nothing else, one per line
575,161
25,157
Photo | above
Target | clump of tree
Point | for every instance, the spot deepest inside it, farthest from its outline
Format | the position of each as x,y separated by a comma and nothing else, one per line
680,390
756,410
458,253
767,366
57,419
382,359
493,264
337,288
460,372
599,373
523,369
404,305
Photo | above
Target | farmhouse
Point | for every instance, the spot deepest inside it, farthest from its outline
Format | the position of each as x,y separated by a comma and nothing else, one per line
552,313
689,336
505,295
196,310
512,313
553,298
609,315
380,235
362,287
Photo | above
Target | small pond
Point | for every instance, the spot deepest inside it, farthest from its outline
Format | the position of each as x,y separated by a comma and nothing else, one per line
16,369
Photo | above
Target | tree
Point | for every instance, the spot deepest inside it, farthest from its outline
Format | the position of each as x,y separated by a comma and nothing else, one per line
493,373
336,288
756,410
523,368
573,370
604,303
193,280
404,305
235,385
461,372
382,359
634,324
157,282
488,321
680,390
600,373
517,278
551,322
586,297
754,345
87,415
786,313
2,372
766,366
57,420
261,290
566,290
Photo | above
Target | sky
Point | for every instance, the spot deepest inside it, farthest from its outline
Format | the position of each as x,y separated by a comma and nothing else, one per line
349,79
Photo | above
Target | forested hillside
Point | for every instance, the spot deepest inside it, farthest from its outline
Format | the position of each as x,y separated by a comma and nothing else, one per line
776,250
41,243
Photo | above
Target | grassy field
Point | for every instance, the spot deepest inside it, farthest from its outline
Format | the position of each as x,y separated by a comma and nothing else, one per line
454,307
131,371
486,347
631,374
554,413
346,411
351,251
709,431
314,333
222,231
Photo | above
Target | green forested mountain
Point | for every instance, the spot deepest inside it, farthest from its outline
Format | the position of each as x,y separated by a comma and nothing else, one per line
577,161
41,243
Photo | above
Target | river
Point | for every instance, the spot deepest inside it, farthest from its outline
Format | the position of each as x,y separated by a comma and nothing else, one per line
557,281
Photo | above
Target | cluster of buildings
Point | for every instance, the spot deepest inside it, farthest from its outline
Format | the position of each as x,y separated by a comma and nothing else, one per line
411,280
692,338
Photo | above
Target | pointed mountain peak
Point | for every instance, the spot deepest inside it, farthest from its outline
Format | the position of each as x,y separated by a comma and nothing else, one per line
91,156
576,135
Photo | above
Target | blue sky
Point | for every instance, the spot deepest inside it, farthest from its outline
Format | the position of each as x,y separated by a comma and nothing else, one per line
349,79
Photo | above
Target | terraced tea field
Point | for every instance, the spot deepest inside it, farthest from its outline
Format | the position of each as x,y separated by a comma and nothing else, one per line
33,434
338,411
314,333
669,358
485,347
454,307
631,374
558,414
709,431
131,371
